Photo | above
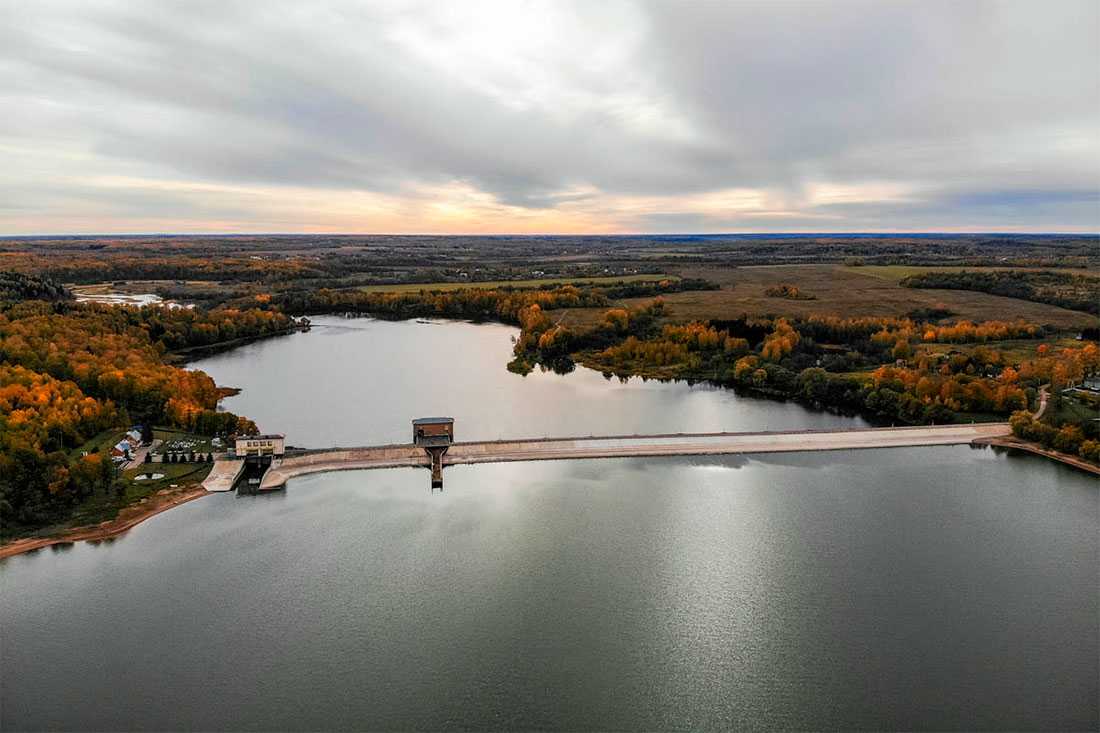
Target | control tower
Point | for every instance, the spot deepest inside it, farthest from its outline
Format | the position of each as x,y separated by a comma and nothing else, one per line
434,435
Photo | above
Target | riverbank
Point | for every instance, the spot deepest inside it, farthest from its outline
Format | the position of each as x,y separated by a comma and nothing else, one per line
1075,461
182,356
847,409
127,518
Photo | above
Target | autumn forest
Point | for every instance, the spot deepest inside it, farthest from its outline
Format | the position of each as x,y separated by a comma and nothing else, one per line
71,370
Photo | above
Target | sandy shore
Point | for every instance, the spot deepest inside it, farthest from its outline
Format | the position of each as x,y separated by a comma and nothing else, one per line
127,518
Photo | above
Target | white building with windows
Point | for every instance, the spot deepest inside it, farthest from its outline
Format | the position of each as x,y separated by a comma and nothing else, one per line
260,445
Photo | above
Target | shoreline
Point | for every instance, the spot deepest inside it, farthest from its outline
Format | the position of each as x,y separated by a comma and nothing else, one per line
1057,456
192,353
127,519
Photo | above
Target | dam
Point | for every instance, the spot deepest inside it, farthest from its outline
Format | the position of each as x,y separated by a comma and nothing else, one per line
304,463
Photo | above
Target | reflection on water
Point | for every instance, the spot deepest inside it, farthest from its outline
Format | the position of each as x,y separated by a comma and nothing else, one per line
360,382
910,588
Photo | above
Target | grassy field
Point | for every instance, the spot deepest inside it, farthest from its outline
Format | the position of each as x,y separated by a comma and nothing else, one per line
849,292
172,473
1015,350
100,443
542,282
1071,409
136,287
180,441
838,290
897,273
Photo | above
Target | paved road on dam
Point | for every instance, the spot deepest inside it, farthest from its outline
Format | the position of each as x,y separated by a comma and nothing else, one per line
391,456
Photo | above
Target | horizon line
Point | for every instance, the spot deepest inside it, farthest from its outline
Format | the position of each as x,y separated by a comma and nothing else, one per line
895,233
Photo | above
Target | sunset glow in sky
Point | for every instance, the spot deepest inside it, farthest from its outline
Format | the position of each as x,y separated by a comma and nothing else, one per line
548,117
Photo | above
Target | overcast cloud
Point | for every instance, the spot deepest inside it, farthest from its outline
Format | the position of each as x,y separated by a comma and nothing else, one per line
471,117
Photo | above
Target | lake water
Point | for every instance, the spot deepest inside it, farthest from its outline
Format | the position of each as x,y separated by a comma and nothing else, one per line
931,588
361,381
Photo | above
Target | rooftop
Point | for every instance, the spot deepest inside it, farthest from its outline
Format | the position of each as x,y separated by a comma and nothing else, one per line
433,420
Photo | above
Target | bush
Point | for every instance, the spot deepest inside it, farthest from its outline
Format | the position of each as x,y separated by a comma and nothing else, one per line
1068,439
1090,451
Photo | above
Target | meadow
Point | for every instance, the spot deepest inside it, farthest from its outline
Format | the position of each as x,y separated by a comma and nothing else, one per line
525,284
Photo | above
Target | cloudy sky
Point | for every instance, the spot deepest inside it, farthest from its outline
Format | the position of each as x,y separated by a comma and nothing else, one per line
529,117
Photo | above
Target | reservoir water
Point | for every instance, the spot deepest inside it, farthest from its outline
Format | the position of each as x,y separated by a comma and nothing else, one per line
361,381
934,588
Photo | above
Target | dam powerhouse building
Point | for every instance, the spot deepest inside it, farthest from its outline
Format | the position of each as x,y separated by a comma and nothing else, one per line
260,445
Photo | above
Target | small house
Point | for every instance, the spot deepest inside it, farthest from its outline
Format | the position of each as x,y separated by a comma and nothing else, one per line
120,451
